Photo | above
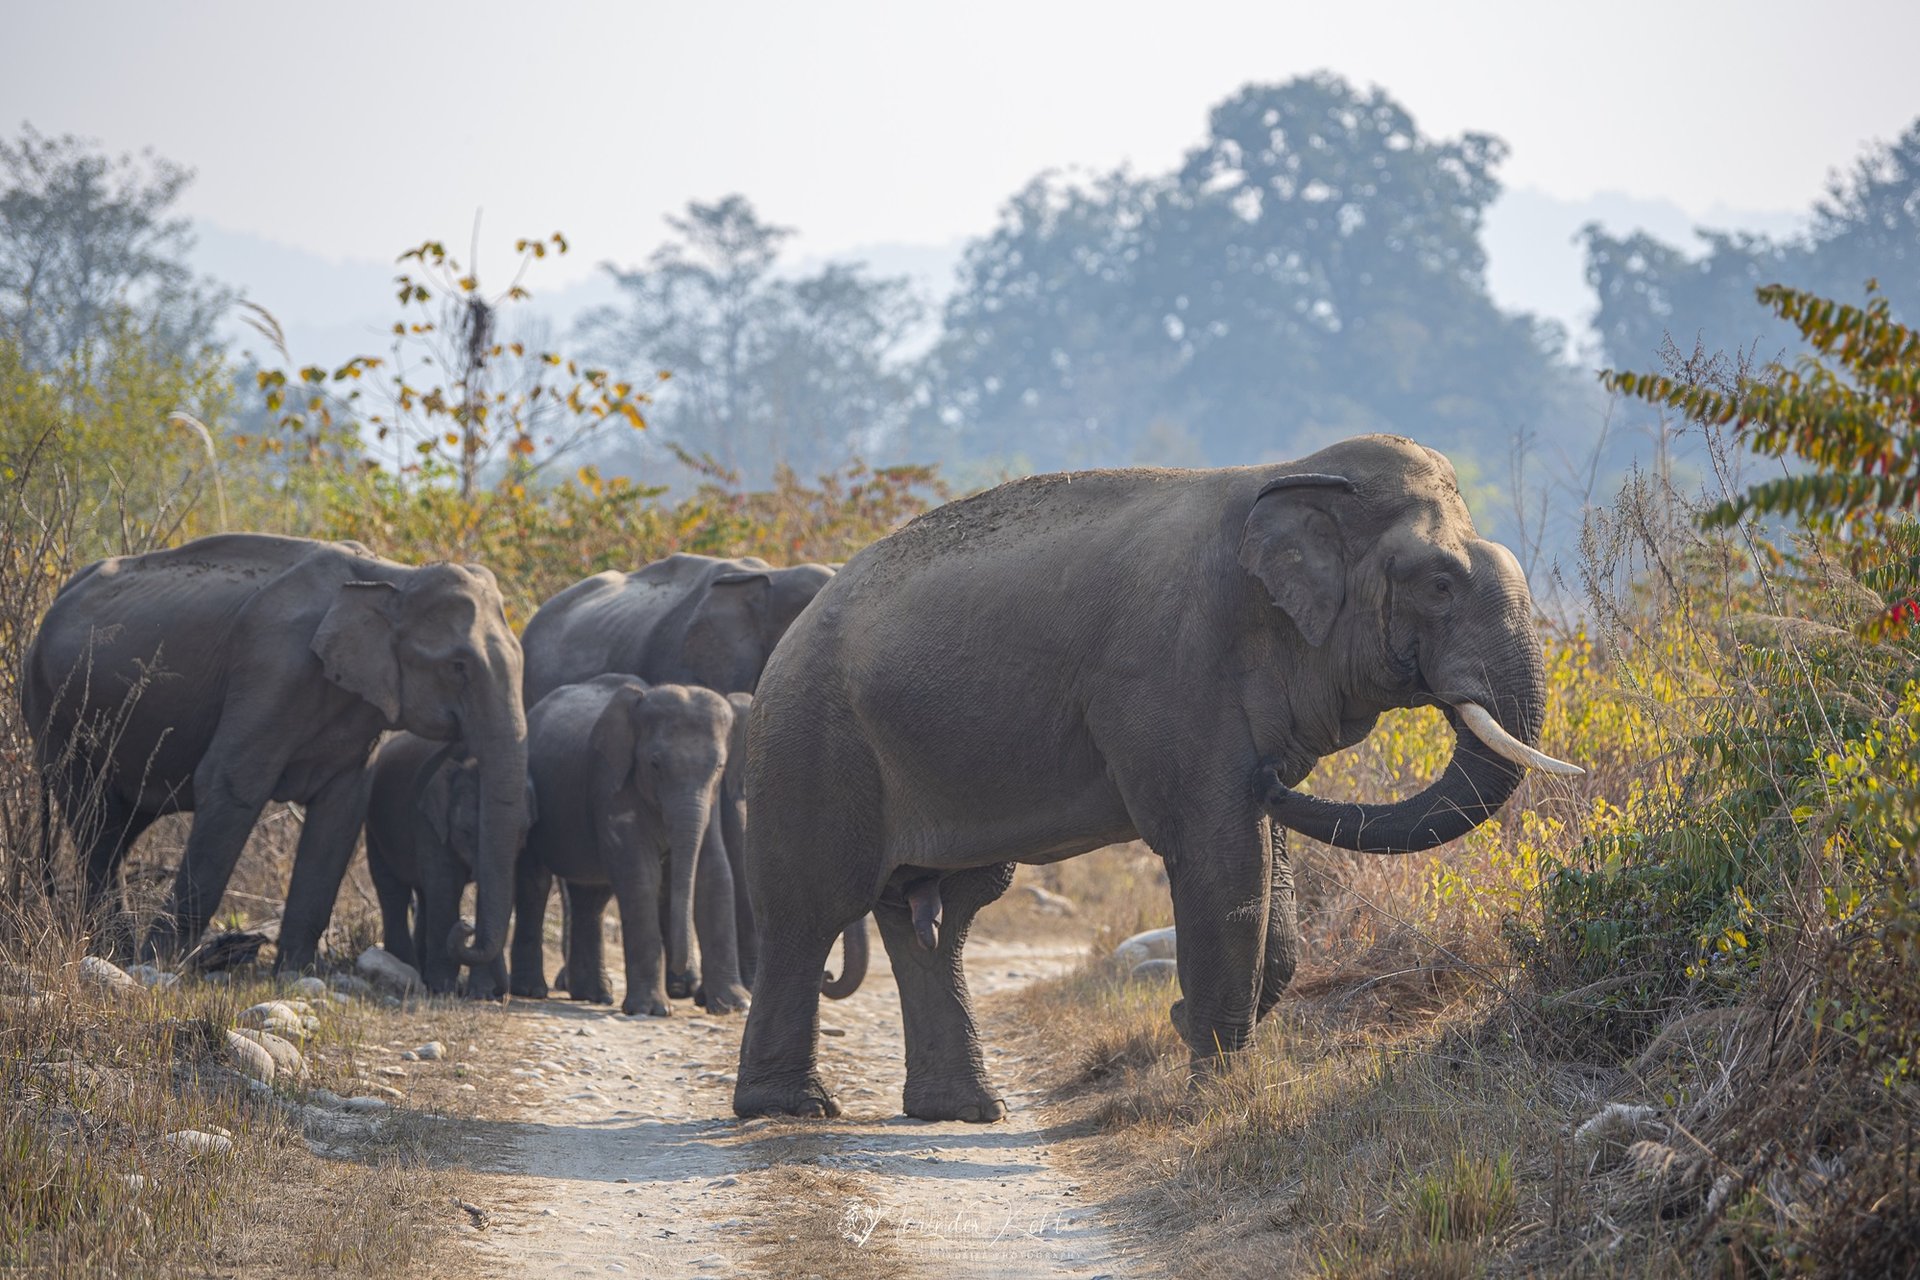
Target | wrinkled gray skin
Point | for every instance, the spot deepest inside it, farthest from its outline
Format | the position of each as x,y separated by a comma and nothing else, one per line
627,776
279,662
733,826
423,842
1065,662
687,619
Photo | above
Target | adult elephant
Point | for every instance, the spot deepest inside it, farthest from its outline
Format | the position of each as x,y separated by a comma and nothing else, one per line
687,619
1068,661
238,669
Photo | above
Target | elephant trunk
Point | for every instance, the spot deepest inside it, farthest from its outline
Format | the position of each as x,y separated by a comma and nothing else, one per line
853,963
1485,769
687,821
502,752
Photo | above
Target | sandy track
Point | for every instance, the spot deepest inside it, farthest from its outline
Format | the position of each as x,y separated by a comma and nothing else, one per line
635,1164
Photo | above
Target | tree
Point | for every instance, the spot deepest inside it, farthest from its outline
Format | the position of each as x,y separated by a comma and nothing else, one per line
1314,268
82,235
765,370
1868,226
454,395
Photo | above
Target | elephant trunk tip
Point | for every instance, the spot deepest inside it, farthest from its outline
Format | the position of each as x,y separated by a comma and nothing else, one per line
460,945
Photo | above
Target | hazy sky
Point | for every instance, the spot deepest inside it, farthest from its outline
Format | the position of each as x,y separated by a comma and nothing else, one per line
355,129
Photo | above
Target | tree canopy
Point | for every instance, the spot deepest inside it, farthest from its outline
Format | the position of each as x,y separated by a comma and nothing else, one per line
1313,269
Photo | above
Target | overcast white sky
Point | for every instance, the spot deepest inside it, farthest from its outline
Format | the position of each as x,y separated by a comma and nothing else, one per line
355,129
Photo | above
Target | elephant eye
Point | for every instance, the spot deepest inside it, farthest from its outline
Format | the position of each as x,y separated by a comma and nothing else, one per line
1442,587
457,667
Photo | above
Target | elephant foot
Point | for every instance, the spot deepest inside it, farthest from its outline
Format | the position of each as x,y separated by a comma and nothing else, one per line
732,998
649,1006
529,988
478,988
560,982
681,986
973,1102
591,995
807,1098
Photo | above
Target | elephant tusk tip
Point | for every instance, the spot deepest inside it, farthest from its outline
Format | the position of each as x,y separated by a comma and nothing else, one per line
1504,744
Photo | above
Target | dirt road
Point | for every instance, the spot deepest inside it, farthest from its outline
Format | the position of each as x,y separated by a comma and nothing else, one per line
610,1148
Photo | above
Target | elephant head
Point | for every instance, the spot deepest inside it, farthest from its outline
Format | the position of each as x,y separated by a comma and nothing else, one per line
664,749
434,653
741,617
1373,558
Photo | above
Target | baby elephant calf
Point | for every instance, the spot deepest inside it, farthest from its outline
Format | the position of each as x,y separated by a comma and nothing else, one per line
626,777
423,837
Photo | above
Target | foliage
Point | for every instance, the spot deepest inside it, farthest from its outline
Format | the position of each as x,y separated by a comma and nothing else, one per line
805,372
1867,227
455,391
83,237
1311,270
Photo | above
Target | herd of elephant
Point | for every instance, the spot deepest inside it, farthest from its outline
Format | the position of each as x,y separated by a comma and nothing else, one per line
1057,664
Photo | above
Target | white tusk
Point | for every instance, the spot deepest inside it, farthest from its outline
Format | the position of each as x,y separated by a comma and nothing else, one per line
1488,730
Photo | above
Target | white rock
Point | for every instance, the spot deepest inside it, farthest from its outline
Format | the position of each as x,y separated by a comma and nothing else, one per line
1155,971
364,1104
1154,944
381,967
149,976
275,1016
104,975
309,986
288,1061
196,1143
393,1073
430,1051
250,1057
347,984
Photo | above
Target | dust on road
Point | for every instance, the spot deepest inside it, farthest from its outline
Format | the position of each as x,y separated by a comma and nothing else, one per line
611,1149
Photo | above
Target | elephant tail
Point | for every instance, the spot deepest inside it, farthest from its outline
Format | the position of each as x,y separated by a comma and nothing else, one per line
853,963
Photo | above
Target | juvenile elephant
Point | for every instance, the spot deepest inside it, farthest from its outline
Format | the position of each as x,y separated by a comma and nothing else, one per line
687,619
1069,661
423,842
627,776
243,668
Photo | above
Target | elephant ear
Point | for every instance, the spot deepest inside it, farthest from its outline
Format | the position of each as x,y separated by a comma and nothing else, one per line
732,614
611,744
1292,543
355,644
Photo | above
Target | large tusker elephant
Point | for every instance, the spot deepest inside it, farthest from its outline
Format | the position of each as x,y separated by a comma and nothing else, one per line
1068,661
423,842
627,777
243,668
733,826
687,619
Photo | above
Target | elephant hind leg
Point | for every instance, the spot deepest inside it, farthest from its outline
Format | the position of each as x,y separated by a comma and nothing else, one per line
110,834
946,1074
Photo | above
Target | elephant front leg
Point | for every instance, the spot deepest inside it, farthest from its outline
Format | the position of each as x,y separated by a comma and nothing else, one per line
532,883
713,918
228,799
946,1074
586,946
1221,897
637,885
439,911
334,818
